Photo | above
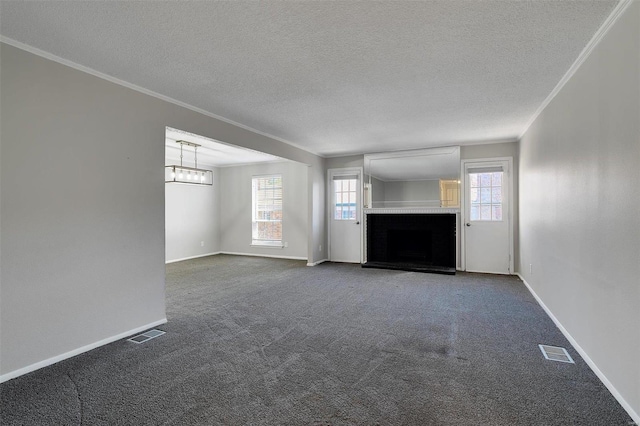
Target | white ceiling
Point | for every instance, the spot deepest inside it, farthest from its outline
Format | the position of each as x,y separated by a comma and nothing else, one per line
211,152
332,77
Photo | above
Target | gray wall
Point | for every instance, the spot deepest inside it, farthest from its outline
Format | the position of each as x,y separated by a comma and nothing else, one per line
192,219
82,210
235,208
580,206
489,150
351,161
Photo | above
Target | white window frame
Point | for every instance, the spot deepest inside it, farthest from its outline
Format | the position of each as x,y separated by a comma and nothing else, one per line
349,177
254,220
505,175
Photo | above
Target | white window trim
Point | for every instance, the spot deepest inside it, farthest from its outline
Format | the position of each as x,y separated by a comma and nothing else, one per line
267,243
346,176
505,175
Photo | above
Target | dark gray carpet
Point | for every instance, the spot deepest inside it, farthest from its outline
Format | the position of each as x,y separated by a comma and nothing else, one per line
265,342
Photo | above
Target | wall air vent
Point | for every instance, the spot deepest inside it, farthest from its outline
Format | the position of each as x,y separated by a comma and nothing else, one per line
146,336
555,353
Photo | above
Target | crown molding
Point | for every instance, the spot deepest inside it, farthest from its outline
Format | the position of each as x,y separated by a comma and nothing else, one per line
96,73
489,142
459,144
586,52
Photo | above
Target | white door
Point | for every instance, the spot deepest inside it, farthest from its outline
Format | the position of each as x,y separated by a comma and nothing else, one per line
344,212
487,226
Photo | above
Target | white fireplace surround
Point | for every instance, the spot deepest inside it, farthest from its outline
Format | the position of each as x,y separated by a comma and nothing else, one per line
411,210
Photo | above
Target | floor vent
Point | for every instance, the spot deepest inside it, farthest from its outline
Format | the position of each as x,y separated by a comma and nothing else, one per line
146,336
555,353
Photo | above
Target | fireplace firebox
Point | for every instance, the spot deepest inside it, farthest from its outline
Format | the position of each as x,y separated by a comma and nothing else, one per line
412,242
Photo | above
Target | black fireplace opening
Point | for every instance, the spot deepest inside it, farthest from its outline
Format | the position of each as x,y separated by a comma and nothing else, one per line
406,245
412,242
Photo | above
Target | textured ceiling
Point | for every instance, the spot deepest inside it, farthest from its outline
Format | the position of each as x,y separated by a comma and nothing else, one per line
331,77
210,152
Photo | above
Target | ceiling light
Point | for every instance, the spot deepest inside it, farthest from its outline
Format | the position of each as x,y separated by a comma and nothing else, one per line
176,173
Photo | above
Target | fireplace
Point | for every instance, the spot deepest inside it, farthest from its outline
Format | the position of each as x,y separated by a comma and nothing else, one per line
412,242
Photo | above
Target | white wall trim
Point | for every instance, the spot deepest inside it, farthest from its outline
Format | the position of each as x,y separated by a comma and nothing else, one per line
457,143
635,416
140,89
597,37
191,257
233,253
317,263
41,364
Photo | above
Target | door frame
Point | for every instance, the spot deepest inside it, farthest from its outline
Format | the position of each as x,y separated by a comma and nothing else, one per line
338,172
463,207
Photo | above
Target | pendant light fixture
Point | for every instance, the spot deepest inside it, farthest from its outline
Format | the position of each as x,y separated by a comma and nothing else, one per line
184,174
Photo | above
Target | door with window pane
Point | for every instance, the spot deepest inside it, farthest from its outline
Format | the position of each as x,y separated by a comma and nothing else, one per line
486,221
345,236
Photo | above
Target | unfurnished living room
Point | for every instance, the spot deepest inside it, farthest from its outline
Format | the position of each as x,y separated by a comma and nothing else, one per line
320,212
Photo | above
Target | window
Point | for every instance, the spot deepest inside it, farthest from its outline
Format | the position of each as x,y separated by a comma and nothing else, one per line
344,188
266,226
486,195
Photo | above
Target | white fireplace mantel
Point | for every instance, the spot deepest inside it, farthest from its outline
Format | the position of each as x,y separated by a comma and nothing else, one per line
411,210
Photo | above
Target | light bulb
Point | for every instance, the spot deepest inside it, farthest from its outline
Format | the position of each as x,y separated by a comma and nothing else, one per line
181,175
202,178
189,176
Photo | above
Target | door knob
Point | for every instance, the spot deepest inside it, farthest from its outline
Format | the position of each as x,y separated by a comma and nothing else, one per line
357,222
468,224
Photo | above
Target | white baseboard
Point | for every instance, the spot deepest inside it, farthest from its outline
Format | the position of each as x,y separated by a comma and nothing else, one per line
488,272
635,416
263,255
191,257
317,263
87,348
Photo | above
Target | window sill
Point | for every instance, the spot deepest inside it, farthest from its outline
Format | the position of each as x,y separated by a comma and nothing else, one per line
266,244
